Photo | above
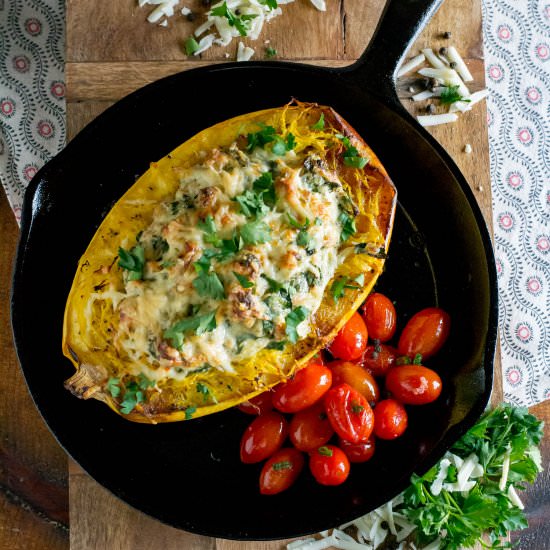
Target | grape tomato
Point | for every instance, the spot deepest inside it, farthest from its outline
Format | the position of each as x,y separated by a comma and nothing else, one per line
351,341
390,419
281,471
414,384
310,428
263,437
380,317
425,333
359,378
329,465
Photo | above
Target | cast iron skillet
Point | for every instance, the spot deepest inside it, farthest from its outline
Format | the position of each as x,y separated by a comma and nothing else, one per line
188,474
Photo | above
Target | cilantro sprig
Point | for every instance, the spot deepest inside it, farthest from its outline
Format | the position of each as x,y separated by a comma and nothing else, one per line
133,392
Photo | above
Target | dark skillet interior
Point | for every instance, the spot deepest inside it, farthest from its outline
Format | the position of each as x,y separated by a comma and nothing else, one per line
188,474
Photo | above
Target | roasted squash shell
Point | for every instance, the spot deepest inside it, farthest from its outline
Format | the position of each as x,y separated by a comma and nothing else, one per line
89,325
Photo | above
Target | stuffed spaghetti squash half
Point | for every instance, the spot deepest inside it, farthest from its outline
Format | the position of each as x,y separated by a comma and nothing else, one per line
228,265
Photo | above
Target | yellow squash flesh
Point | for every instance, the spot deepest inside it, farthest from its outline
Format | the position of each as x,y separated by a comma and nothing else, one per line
91,320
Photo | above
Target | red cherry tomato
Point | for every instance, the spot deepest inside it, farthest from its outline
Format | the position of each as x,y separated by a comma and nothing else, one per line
379,359
308,386
390,419
310,428
425,333
413,384
380,317
351,341
349,413
281,471
257,405
329,465
263,437
360,379
358,452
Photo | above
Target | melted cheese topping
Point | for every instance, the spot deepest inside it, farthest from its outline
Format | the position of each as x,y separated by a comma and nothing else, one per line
229,259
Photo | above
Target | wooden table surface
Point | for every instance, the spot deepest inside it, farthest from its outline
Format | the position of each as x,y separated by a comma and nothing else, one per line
111,51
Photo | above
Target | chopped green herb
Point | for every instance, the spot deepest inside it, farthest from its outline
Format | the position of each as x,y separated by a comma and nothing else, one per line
351,155
144,382
270,52
241,23
320,124
283,465
348,226
450,95
208,226
252,204
160,247
264,185
112,386
274,286
271,4
356,408
191,46
339,285
243,281
293,222
255,232
304,238
133,261
277,345
189,412
258,139
281,146
290,141
202,265
132,396
368,248
203,390
293,319
199,324
209,285
417,359
325,451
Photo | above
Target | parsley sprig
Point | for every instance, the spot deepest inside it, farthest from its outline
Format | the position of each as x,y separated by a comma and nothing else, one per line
293,319
199,324
486,510
351,155
450,95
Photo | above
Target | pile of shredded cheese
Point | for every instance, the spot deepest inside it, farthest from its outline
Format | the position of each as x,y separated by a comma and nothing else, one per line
219,30
449,70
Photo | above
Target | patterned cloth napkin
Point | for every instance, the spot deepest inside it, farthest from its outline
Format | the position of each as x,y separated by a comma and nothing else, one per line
517,55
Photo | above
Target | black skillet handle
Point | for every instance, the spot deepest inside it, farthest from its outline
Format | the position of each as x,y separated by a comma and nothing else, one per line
400,24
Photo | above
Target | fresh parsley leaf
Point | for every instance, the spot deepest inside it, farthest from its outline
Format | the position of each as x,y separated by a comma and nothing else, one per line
252,204
255,232
208,226
325,451
450,95
113,386
293,319
290,141
203,390
348,226
351,155
304,239
209,285
355,162
274,286
133,261
270,52
277,345
264,184
191,46
271,4
189,412
243,281
239,22
264,136
342,283
293,222
320,124
281,146
144,382
199,324
132,396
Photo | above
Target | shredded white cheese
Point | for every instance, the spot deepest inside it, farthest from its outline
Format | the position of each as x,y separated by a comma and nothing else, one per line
432,59
244,53
461,67
421,96
412,64
435,120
